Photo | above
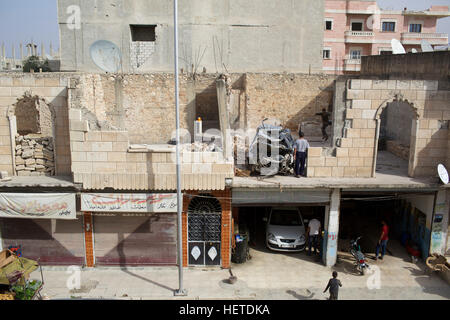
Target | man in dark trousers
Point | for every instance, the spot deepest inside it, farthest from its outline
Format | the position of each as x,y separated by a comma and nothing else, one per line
325,123
333,285
382,242
301,146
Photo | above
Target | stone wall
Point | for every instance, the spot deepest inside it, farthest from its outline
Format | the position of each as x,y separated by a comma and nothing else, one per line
289,98
366,99
34,155
52,87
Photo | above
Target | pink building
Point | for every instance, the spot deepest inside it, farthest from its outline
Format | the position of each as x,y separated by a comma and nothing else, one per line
358,28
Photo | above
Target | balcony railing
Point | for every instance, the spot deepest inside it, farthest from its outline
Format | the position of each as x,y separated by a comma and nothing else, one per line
413,35
359,34
352,64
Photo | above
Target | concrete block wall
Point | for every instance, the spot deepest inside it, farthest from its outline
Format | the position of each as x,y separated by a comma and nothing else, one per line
366,99
53,88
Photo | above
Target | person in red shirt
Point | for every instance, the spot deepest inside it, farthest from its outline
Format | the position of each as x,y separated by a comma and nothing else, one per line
382,242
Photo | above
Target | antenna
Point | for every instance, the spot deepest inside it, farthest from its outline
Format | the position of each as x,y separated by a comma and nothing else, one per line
426,46
397,47
443,174
106,55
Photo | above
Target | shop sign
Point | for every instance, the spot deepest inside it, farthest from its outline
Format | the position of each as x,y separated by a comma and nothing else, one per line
38,205
129,202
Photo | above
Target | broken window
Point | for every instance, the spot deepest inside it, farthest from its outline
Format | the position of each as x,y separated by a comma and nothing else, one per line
143,39
143,32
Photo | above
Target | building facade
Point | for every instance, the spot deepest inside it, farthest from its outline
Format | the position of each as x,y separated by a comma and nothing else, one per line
218,36
360,28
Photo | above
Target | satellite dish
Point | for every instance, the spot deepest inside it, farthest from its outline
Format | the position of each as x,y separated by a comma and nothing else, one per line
413,50
426,46
443,174
397,47
106,55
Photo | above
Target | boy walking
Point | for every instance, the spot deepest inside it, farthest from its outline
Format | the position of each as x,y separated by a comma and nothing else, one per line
333,285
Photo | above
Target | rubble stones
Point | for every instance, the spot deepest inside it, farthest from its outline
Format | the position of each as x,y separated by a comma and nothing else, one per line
34,155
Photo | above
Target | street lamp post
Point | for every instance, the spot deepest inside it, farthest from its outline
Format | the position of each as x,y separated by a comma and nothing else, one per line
180,291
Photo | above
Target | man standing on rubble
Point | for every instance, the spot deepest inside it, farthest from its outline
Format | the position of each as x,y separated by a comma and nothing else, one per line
325,123
301,146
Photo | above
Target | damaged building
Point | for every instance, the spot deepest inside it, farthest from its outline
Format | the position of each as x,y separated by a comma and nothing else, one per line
110,197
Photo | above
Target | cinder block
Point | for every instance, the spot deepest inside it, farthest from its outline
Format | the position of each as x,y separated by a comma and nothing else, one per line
120,146
343,162
81,167
368,162
353,152
359,124
356,161
349,171
355,84
122,136
6,81
346,142
403,84
75,114
331,161
372,95
315,161
367,133
368,114
379,84
104,167
366,84
157,157
94,136
81,146
117,156
137,156
79,125
392,84
310,171
364,172
101,146
97,156
78,156
337,172
52,82
353,113
417,85
341,152
76,136
353,133
109,136
361,104
366,152
355,94
315,152
322,172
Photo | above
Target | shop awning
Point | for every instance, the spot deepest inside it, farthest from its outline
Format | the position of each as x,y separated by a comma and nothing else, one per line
129,202
273,197
38,205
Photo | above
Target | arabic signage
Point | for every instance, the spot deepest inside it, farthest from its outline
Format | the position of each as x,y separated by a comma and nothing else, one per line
129,202
38,205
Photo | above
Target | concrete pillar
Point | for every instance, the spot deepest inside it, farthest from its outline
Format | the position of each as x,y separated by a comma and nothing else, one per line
439,225
224,120
21,52
331,229
42,50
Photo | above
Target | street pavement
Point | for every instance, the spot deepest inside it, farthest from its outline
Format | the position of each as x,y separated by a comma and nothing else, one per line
267,275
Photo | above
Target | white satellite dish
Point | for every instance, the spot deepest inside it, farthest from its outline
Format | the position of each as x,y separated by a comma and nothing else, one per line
106,55
443,174
397,47
413,50
426,46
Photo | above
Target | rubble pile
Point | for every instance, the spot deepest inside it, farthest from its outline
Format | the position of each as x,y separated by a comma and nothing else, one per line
34,155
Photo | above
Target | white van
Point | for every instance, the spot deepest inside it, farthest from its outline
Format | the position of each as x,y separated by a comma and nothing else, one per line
285,230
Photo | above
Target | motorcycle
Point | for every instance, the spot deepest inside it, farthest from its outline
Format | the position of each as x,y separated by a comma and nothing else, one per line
278,141
355,250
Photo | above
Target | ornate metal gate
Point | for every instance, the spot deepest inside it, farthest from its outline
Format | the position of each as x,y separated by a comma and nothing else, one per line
204,230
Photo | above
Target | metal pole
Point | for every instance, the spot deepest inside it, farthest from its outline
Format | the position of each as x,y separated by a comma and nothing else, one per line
180,291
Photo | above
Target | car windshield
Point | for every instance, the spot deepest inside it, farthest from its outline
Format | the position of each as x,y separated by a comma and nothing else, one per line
285,218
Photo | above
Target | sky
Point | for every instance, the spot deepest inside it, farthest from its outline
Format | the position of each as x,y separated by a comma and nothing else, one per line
26,20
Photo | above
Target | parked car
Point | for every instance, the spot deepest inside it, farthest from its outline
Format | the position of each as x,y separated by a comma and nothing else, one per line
285,230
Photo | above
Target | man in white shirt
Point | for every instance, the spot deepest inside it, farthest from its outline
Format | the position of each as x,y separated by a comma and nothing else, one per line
301,145
313,233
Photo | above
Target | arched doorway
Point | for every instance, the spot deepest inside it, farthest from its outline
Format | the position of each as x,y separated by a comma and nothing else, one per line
397,123
204,230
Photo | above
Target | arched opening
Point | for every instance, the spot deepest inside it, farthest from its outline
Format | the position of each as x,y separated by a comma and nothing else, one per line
34,138
396,121
204,230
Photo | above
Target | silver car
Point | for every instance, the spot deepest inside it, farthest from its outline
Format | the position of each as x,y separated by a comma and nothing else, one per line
285,230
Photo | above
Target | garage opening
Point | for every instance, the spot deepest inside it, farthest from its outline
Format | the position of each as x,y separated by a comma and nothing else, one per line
254,221
395,138
406,216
